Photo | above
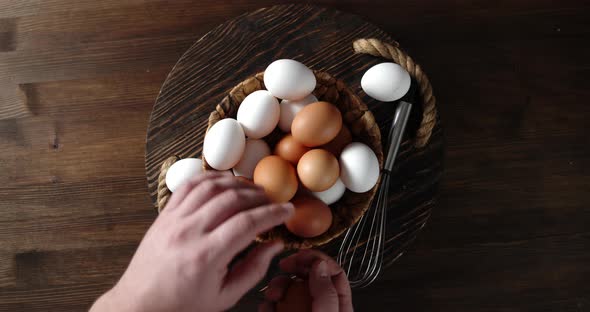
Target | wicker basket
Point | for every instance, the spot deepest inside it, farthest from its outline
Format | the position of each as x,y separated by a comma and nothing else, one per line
355,115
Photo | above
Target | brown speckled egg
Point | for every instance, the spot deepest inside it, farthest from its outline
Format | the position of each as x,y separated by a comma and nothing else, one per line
318,170
311,218
289,149
278,178
316,124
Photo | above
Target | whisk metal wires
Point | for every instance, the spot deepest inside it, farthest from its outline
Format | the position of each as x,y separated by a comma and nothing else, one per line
361,251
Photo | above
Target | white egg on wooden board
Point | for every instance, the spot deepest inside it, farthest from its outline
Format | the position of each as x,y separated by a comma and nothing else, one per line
359,167
224,144
259,114
333,194
289,79
255,150
386,82
290,108
182,171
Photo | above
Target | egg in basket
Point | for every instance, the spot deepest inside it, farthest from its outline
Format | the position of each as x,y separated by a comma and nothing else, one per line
306,138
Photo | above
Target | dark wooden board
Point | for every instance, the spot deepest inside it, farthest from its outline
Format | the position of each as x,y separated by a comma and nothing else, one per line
320,38
510,229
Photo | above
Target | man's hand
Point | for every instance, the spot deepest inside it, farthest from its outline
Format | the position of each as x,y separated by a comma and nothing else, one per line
182,262
328,284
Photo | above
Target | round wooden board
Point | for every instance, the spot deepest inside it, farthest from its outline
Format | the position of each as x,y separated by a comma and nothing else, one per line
322,39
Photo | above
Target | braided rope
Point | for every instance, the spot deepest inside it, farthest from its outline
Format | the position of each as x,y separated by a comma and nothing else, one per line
163,191
376,47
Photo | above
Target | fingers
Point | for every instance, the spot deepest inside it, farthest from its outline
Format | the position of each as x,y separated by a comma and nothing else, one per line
274,292
300,263
239,230
322,290
344,293
248,272
228,203
208,189
277,288
181,193
222,207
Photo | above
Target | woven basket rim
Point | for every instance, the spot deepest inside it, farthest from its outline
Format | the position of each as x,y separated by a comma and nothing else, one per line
330,83
370,46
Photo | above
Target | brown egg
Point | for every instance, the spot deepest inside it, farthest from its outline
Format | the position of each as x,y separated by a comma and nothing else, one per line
312,217
289,149
297,297
340,141
316,124
278,178
318,170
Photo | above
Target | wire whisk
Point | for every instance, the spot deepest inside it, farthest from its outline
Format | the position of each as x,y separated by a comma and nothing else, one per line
363,270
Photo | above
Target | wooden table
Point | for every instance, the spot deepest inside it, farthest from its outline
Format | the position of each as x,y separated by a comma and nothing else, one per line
78,80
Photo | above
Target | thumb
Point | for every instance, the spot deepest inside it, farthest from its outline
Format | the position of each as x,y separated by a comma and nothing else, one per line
323,293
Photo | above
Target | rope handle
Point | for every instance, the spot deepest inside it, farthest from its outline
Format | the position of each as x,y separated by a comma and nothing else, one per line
373,47
163,191
379,48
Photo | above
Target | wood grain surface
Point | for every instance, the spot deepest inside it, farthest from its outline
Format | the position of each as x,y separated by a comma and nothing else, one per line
509,232
322,39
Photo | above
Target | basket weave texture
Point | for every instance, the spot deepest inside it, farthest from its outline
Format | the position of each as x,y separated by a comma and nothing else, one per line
355,115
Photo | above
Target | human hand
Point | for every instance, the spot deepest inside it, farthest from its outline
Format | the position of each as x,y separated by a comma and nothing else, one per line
182,262
328,284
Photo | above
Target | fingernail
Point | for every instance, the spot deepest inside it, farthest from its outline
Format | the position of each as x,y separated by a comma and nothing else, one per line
289,208
323,269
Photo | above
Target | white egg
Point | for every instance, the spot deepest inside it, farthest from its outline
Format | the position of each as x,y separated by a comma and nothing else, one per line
255,150
289,79
224,144
259,114
359,167
386,82
290,108
182,171
333,194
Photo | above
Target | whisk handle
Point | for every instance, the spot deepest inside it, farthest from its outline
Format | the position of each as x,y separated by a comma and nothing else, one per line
396,132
